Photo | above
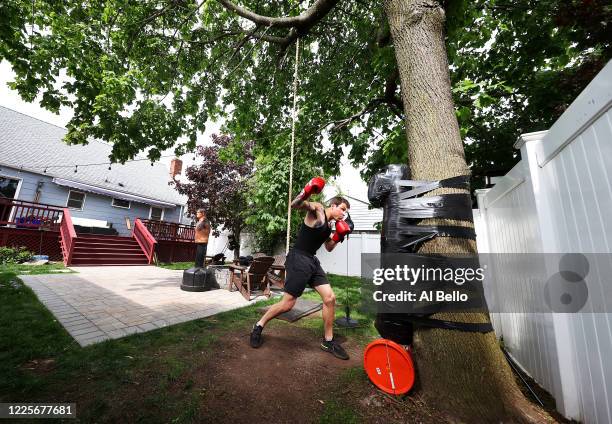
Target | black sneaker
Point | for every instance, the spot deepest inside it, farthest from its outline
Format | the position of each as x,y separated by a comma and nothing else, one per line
335,349
256,340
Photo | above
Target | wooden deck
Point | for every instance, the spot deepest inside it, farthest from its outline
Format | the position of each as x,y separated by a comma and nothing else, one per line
39,228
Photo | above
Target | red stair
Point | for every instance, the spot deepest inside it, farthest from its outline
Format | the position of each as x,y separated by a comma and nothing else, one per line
92,249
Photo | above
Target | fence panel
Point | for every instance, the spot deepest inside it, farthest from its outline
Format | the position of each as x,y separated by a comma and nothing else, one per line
345,259
508,212
557,200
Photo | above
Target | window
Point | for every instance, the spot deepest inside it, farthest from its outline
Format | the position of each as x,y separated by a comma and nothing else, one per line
156,213
76,200
120,203
8,188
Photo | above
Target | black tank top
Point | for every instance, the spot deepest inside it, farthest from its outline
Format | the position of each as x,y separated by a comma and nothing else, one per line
309,239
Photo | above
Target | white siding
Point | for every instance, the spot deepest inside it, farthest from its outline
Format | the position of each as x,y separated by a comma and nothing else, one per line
364,218
95,207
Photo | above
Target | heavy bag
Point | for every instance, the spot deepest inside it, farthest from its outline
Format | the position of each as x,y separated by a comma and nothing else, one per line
199,279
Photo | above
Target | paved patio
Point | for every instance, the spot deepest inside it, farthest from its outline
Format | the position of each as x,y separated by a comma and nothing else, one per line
101,303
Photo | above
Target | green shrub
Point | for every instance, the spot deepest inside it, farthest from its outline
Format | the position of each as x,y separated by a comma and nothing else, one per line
14,255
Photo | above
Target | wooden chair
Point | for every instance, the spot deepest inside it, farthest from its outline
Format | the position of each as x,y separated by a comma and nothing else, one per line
276,274
254,255
251,278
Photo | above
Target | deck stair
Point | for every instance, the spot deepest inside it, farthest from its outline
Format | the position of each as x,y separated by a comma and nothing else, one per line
95,249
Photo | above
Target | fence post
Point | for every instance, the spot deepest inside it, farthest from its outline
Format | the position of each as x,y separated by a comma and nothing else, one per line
566,381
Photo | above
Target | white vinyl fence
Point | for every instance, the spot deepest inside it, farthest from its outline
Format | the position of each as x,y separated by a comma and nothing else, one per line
558,199
345,259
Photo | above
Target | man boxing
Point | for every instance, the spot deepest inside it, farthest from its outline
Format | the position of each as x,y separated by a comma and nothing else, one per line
303,267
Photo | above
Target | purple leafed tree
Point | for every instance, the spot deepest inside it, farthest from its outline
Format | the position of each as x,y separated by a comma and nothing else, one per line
219,183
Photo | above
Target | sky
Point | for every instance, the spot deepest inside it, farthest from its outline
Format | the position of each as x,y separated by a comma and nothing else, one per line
348,182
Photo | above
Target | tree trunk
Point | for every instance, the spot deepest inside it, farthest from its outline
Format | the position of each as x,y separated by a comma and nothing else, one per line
464,375
236,233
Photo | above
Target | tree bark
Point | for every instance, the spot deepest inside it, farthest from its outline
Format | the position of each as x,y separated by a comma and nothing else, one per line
236,232
465,375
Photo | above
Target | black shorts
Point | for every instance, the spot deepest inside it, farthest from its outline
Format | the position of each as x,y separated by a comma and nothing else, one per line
302,269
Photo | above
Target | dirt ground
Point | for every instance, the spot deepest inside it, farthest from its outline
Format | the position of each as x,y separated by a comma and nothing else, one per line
290,380
287,380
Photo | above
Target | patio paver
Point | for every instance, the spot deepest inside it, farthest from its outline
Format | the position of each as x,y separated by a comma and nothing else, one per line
101,303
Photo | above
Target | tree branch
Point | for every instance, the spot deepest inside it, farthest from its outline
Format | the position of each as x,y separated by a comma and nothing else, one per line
389,98
300,25
305,20
343,123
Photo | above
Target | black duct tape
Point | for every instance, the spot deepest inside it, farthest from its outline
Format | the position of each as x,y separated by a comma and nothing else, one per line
441,231
451,206
384,185
399,328
392,190
388,189
421,187
412,235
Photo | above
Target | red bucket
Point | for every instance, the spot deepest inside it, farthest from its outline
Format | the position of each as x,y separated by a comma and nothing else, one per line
389,366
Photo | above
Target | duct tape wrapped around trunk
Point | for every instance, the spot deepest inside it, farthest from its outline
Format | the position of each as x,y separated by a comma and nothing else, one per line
404,205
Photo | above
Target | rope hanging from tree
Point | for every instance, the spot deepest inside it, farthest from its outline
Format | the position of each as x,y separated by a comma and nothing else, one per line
293,120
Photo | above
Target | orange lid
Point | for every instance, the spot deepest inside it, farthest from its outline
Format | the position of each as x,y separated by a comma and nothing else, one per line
389,366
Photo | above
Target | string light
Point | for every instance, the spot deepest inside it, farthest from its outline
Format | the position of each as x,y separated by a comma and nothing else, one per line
76,167
47,167
89,164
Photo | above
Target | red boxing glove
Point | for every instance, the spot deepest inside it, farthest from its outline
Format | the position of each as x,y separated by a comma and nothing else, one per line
314,186
342,229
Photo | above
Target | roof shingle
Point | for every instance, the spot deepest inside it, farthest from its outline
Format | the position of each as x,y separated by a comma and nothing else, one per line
32,144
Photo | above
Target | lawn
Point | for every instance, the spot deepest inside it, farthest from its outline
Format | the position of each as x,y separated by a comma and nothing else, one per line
170,374
49,268
177,265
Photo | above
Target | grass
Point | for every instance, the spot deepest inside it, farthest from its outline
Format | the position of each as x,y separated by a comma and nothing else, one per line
348,292
40,361
336,411
49,268
180,265
30,336
177,265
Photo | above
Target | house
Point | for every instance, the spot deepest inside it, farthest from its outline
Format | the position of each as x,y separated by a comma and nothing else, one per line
41,177
37,166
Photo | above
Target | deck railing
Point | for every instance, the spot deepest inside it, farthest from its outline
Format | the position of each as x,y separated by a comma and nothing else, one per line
23,214
145,239
68,237
171,231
